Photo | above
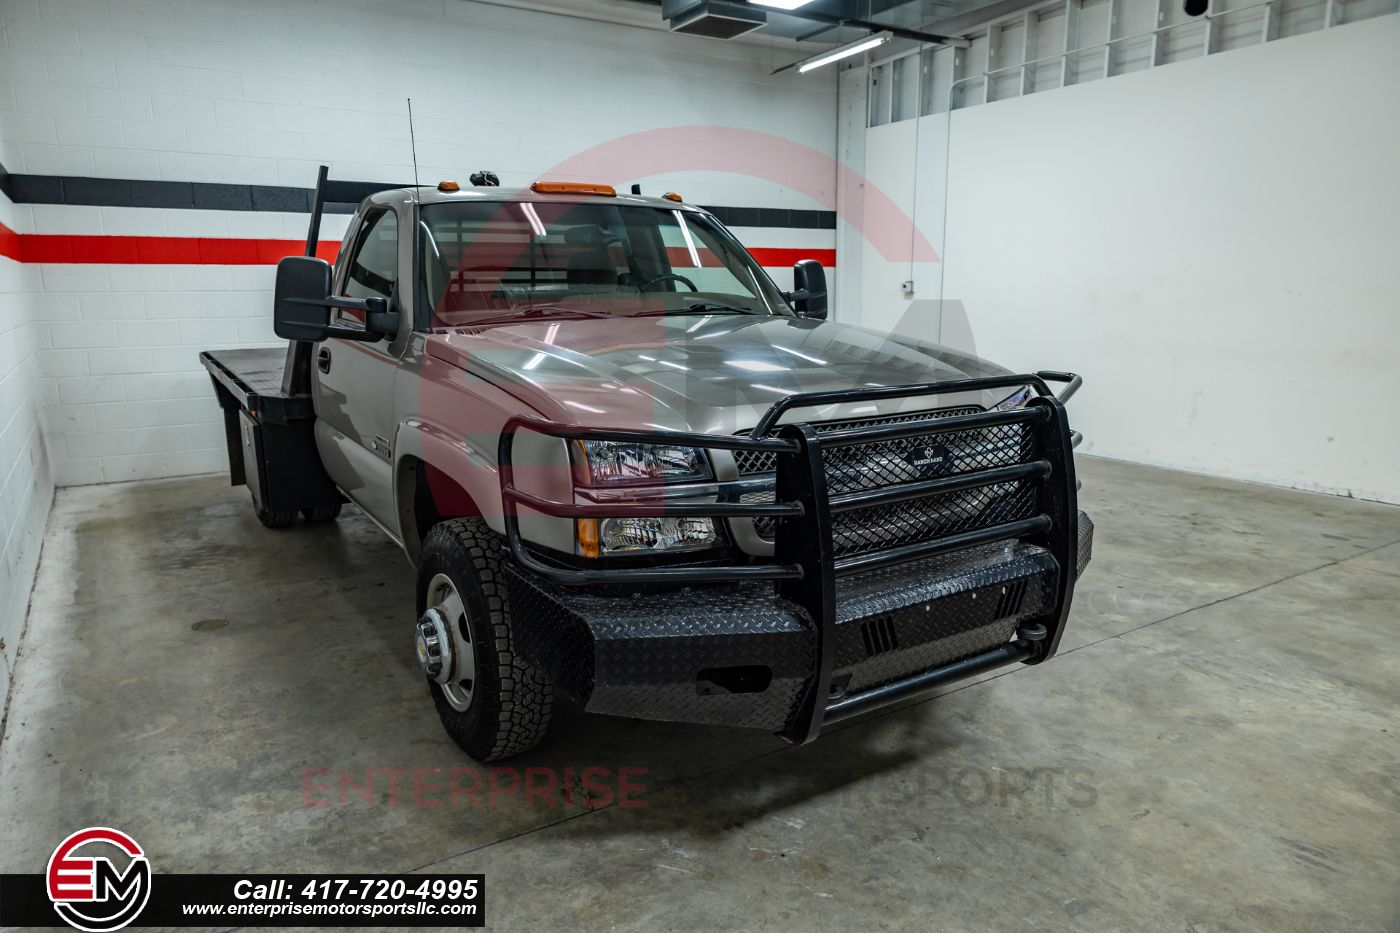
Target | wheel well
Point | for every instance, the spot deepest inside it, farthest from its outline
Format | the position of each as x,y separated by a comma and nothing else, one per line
428,496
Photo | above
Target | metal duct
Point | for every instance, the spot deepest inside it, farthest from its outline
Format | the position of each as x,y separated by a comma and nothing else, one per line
714,19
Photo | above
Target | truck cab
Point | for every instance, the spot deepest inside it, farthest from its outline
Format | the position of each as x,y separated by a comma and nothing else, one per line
632,470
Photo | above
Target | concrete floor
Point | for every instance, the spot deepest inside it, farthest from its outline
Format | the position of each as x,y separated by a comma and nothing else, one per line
1214,749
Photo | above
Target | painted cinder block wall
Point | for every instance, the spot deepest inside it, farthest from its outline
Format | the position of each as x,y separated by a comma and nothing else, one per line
259,93
1211,243
26,483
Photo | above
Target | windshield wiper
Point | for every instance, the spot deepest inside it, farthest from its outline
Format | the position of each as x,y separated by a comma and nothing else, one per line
704,307
535,312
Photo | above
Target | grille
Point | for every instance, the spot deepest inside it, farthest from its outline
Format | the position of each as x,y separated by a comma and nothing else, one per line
887,463
760,461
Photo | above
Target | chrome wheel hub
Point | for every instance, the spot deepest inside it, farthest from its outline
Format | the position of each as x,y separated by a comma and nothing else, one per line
434,645
443,643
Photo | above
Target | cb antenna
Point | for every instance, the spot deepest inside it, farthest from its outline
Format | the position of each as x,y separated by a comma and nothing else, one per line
412,142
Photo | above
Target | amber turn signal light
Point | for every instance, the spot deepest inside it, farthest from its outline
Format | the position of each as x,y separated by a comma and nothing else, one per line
587,531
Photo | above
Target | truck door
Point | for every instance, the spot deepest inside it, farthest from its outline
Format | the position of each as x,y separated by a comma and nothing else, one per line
354,381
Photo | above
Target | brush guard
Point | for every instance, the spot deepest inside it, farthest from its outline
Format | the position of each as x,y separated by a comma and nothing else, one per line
805,567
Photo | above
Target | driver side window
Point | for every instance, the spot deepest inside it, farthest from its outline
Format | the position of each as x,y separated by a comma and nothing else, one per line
374,264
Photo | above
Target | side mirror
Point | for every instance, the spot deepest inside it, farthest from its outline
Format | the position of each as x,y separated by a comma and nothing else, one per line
303,299
809,289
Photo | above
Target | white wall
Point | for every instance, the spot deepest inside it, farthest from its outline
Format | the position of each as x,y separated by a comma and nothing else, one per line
261,92
1213,244
26,488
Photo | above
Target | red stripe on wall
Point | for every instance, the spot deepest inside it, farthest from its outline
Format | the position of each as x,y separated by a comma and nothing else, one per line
11,244
228,251
165,250
769,257
773,257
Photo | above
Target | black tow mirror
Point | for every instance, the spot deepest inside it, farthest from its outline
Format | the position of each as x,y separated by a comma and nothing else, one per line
809,289
301,308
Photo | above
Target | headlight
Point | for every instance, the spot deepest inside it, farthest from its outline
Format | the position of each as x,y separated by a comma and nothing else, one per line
1017,399
608,463
636,535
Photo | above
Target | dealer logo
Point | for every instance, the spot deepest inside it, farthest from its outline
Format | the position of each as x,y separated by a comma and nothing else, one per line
88,891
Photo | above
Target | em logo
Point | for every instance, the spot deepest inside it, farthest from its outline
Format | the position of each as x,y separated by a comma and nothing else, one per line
88,891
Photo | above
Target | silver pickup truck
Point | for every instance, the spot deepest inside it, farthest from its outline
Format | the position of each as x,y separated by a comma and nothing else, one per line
630,470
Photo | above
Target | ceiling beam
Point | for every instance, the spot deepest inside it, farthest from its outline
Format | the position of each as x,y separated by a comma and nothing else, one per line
979,15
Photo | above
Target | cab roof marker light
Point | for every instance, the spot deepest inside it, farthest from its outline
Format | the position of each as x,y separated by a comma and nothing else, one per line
845,51
573,187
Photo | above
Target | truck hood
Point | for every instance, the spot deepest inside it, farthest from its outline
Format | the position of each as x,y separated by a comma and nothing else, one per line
703,373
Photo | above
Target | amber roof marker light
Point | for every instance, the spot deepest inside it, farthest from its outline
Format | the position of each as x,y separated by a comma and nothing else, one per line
573,187
449,186
672,196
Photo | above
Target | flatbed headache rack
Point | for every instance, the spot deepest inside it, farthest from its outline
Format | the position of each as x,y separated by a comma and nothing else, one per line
265,394
804,566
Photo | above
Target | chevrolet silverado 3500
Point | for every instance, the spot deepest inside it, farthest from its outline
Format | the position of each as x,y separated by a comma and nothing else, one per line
631,470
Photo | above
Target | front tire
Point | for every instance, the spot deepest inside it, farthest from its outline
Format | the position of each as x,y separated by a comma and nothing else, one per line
501,705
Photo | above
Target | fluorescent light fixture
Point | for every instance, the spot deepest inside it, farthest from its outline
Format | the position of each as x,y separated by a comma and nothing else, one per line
781,4
689,243
535,223
756,366
845,51
800,355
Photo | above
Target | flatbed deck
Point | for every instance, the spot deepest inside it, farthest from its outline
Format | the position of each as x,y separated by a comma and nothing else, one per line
253,377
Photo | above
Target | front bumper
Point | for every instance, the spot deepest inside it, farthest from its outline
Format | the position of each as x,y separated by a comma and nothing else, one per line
742,655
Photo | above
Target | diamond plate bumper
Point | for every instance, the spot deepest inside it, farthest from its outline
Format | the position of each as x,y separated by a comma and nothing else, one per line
741,655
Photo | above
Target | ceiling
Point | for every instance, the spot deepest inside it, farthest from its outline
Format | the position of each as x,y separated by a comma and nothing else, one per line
808,25
811,23
905,14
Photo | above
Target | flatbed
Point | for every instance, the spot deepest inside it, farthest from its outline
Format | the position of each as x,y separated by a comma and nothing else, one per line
270,436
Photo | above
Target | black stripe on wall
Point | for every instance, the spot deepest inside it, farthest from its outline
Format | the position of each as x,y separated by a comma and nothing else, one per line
342,198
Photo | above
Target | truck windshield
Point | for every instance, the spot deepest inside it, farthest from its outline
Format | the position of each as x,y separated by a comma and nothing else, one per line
495,260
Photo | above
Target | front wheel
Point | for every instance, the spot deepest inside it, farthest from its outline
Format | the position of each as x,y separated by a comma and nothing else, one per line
491,701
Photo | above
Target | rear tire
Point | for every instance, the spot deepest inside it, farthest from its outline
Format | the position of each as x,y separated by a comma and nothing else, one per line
325,513
509,699
276,519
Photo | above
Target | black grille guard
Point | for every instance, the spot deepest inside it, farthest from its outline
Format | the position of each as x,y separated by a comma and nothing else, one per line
804,565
